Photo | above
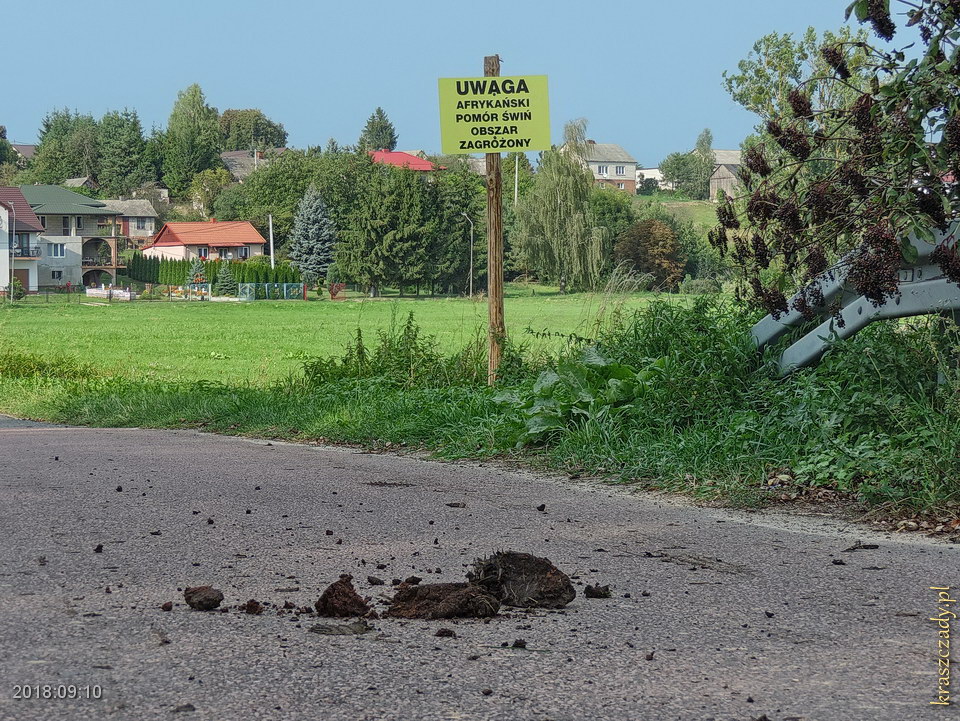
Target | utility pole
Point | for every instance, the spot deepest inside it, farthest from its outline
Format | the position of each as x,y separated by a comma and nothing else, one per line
272,261
516,178
496,330
13,236
471,251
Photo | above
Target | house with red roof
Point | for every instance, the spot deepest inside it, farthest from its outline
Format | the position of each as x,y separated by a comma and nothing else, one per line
210,240
400,159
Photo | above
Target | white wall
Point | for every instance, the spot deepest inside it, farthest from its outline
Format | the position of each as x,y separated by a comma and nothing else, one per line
70,264
4,248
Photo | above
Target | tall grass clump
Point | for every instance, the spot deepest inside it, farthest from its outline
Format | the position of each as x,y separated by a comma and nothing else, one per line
676,396
403,356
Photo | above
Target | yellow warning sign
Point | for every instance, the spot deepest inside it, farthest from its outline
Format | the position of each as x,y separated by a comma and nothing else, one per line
494,114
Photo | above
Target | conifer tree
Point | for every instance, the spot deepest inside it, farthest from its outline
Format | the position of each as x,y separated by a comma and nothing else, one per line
197,272
313,238
192,141
225,283
378,133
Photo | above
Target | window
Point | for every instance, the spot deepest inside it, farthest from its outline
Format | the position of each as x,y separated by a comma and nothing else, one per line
243,252
141,223
56,274
79,222
203,252
57,250
603,169
621,186
65,225
620,169
43,221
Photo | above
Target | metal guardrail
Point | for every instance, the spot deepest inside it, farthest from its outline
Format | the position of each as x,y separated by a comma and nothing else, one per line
923,289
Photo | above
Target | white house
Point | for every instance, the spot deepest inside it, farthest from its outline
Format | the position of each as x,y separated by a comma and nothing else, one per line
22,250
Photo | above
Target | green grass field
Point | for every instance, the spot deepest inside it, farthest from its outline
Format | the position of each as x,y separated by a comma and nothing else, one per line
265,341
701,212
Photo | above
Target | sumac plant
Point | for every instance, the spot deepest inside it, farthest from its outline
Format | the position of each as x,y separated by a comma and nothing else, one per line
843,187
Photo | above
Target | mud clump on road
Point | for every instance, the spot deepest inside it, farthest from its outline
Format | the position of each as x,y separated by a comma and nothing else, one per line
253,607
597,591
523,580
442,600
341,600
203,598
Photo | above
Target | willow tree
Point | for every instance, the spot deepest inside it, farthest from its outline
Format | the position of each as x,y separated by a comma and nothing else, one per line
556,235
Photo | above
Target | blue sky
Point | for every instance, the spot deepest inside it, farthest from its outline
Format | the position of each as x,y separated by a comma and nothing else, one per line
646,75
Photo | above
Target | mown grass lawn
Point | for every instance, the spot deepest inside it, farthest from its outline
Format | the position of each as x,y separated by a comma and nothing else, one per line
264,341
701,212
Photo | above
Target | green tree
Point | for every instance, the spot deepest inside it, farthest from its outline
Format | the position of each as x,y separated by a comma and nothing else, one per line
153,155
7,153
314,237
250,129
704,162
556,234
777,64
702,260
68,148
197,272
16,289
8,159
458,191
231,203
207,185
122,147
378,133
612,209
678,171
225,283
690,172
192,142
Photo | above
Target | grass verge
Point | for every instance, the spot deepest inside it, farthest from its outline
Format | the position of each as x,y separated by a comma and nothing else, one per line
668,396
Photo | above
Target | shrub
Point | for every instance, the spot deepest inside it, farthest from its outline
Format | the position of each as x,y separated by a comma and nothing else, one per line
16,289
700,286
651,247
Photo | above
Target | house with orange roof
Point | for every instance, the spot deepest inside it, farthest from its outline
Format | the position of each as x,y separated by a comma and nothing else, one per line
209,240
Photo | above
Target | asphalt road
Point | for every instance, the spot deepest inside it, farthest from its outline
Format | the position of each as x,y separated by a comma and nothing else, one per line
748,615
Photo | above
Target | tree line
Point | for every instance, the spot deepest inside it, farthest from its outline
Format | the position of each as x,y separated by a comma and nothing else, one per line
116,152
346,218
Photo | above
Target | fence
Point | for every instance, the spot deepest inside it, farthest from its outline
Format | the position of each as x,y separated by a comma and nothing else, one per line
271,291
192,291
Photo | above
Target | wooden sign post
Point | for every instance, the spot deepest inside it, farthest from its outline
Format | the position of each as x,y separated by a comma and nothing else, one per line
496,329
483,115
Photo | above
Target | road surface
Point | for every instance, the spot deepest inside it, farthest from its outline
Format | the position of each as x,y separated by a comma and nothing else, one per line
747,616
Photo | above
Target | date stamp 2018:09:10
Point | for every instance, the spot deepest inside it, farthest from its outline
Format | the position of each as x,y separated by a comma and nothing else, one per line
56,691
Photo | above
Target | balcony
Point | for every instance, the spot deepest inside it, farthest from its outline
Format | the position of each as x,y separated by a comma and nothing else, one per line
100,263
27,251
